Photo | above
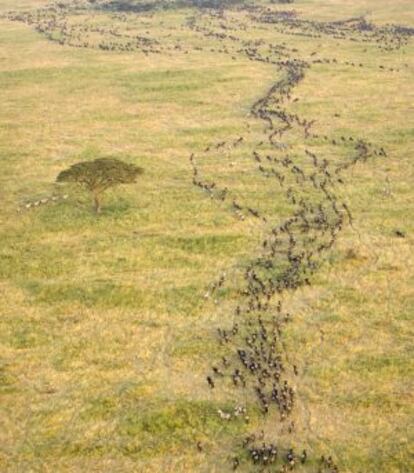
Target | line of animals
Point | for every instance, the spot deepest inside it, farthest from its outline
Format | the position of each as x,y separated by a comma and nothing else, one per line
388,37
42,201
57,23
269,455
255,360
215,25
128,30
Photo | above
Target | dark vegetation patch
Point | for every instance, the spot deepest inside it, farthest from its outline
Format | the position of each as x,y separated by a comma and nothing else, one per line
106,294
175,423
205,244
8,381
125,6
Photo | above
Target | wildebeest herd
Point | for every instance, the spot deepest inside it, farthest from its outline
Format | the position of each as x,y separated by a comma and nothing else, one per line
66,24
255,360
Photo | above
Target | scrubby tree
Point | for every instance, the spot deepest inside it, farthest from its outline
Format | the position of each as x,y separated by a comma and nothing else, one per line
99,175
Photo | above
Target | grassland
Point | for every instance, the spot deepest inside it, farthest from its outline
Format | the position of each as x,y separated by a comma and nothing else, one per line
106,336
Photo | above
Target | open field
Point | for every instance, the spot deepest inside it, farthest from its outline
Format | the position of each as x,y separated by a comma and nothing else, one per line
298,199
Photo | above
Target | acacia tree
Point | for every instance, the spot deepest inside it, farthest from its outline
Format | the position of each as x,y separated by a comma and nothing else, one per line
99,175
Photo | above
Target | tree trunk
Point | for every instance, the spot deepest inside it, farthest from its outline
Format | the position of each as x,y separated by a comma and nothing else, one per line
97,203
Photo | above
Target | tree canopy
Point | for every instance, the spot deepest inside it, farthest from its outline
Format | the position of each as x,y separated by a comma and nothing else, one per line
99,175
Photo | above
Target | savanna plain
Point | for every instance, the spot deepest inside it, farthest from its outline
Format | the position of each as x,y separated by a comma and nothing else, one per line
247,304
